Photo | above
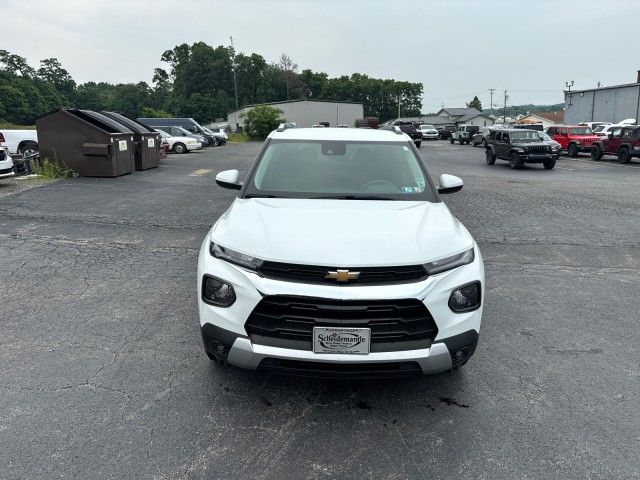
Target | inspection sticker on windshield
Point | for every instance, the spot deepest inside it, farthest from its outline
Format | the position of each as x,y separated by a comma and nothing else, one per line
122,145
341,340
151,143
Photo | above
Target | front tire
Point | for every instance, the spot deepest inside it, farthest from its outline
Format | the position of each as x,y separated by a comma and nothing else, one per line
491,158
549,164
514,161
28,149
596,153
624,156
451,140
180,148
418,144
572,151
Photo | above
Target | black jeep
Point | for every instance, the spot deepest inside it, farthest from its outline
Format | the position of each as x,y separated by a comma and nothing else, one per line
519,147
410,129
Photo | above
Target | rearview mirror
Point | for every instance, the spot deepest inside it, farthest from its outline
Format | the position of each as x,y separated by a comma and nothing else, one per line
229,179
449,184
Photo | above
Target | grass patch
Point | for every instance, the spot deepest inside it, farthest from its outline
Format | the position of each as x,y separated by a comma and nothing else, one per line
238,138
49,169
13,126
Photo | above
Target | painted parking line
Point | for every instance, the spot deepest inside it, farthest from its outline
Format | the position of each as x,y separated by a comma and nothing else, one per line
200,173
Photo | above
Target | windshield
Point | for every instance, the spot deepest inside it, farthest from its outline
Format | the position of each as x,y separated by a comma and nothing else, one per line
580,131
184,132
525,136
340,170
599,128
427,127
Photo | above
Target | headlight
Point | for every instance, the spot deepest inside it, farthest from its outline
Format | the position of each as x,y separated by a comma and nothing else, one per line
519,149
246,261
449,263
217,292
577,142
465,298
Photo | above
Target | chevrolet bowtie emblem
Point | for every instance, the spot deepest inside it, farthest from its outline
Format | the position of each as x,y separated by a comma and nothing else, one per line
342,275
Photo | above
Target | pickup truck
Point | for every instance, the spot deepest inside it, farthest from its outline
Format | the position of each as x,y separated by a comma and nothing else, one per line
23,142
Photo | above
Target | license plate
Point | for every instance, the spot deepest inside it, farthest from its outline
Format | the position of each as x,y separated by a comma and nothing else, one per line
354,341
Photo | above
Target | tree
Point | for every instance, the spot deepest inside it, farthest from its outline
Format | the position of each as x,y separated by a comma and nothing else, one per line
51,71
262,120
475,103
289,73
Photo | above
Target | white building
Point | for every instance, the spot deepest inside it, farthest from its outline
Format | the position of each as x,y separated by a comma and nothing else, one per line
306,113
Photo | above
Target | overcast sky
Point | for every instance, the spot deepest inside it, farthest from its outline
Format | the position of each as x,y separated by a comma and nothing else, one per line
456,48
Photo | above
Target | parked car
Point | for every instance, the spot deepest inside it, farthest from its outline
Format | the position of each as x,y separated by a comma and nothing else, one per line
219,133
181,132
594,125
624,142
429,132
573,138
6,164
480,137
520,146
23,142
406,127
464,133
279,291
180,144
445,131
188,124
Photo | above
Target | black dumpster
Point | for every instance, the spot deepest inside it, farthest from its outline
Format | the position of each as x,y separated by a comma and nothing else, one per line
87,142
147,141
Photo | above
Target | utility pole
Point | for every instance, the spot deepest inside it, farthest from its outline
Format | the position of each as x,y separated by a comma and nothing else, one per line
504,111
233,69
491,90
398,106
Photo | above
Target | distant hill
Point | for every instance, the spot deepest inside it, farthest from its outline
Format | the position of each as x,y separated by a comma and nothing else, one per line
514,110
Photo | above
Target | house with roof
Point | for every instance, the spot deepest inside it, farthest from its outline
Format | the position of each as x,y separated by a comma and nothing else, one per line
547,119
459,116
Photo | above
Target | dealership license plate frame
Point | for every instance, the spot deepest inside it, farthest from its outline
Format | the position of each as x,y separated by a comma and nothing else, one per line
340,340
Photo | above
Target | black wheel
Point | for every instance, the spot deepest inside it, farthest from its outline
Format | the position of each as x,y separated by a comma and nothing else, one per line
179,148
491,158
596,152
28,149
215,142
418,144
451,140
514,161
572,151
549,164
624,156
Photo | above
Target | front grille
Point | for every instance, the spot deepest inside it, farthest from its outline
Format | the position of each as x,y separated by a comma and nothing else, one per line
538,149
340,370
368,275
287,321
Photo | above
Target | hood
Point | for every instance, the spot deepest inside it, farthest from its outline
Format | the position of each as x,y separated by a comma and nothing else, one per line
347,233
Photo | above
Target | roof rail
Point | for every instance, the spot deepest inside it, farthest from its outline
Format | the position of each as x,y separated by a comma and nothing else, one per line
397,130
284,126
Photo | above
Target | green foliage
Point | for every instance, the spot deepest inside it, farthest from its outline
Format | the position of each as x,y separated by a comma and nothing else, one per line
148,112
515,110
52,169
238,138
475,103
262,120
198,82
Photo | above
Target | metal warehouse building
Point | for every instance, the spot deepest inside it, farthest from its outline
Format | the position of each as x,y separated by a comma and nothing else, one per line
306,113
606,104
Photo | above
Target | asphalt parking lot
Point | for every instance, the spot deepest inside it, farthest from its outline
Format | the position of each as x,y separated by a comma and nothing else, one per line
103,374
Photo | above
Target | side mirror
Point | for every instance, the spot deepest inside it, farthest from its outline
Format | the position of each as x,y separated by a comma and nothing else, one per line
449,184
229,179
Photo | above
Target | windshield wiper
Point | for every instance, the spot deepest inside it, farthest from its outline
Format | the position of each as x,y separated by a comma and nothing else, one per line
352,197
260,195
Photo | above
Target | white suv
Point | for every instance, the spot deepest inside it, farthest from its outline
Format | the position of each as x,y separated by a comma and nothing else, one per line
429,132
339,258
6,164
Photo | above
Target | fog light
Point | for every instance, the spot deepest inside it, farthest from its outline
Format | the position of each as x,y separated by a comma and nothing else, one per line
465,298
217,292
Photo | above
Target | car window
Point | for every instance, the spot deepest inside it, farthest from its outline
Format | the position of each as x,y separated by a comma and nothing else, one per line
339,169
627,133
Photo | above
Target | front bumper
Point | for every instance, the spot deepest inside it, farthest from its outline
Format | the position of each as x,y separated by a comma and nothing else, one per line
538,158
225,337
194,146
430,136
6,168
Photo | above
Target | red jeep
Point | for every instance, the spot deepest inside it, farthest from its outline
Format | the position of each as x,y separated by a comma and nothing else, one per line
621,141
573,138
